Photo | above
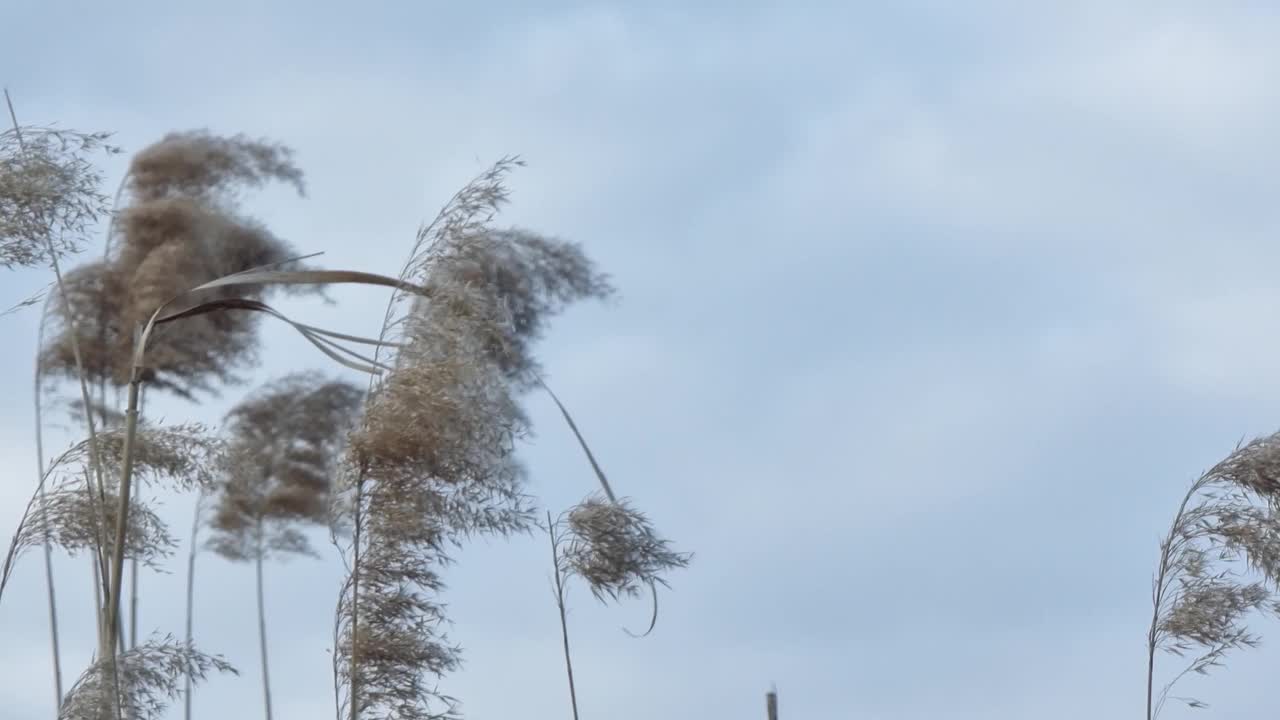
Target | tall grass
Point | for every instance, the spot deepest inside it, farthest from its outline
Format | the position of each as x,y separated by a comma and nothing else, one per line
1219,563
614,548
416,463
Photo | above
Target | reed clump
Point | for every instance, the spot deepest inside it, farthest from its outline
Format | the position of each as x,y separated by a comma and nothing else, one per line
1219,564
50,192
400,472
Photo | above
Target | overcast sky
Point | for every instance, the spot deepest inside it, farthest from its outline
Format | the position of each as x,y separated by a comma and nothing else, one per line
927,317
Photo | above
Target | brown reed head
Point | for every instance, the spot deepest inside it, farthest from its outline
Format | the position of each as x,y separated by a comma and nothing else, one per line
50,192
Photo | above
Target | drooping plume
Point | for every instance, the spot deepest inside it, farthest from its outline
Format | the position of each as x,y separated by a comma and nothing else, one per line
180,227
50,192
434,459
615,549
282,452
150,677
1226,528
72,514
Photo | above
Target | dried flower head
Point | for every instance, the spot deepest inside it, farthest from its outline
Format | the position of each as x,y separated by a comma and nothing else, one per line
198,164
181,457
282,450
78,513
435,462
150,676
528,278
168,246
615,549
401,632
1226,526
76,519
179,230
49,192
1254,468
432,462
98,294
442,412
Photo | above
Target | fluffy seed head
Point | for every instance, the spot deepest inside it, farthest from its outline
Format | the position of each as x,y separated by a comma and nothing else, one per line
50,193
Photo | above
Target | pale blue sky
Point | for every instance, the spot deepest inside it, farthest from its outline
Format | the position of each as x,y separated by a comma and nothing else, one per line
927,317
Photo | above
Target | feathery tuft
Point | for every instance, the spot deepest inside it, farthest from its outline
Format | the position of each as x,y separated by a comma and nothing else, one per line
150,677
615,549
1227,524
49,192
282,453
196,163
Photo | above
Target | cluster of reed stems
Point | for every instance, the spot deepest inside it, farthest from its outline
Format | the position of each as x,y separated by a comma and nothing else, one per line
398,471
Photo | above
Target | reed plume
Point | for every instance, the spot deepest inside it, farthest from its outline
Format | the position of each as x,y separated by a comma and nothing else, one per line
1219,563
180,227
434,458
199,164
140,683
50,192
528,278
431,462
68,509
615,549
282,448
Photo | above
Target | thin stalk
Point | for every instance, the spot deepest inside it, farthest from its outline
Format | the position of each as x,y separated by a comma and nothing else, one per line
564,623
1158,596
262,626
53,614
191,598
355,602
75,342
97,595
133,602
122,515
98,558
48,543
133,570
337,642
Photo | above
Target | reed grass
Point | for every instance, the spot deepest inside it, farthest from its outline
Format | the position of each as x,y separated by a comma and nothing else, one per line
612,547
402,471
1219,564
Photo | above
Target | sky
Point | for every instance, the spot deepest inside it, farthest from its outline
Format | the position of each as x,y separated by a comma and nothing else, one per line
928,314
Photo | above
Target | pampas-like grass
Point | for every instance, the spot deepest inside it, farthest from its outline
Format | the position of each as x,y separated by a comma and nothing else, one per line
139,684
283,442
64,506
431,463
281,457
615,549
180,457
1226,528
388,638
54,195
97,293
179,231
436,462
434,459
528,279
197,163
68,514
50,192
182,227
